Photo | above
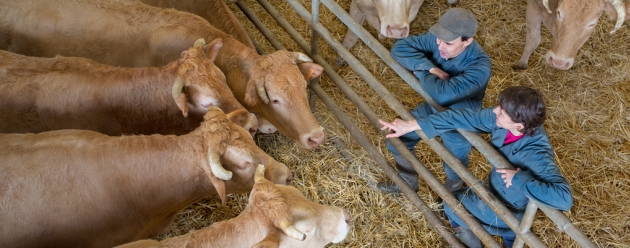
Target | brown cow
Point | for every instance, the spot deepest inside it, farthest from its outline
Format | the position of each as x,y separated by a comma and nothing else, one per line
79,188
43,94
216,12
571,23
276,216
130,33
390,17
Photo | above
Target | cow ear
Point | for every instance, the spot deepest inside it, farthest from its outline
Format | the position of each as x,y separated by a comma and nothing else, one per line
250,94
213,111
272,240
212,49
239,117
310,70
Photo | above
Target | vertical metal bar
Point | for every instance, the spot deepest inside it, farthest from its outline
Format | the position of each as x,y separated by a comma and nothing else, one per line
314,50
526,223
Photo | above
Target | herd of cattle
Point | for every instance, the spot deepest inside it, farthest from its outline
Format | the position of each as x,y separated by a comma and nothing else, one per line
113,118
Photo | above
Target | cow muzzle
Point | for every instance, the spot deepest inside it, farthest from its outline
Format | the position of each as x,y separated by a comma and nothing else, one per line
395,31
313,139
558,62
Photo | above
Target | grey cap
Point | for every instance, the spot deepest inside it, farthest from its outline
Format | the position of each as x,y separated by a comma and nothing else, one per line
454,23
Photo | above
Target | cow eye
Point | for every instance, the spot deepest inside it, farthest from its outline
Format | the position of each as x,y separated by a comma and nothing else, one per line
276,102
559,15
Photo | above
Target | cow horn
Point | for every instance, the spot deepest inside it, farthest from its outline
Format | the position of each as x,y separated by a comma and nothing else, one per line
290,230
260,173
300,57
260,90
216,168
199,42
177,87
620,7
546,3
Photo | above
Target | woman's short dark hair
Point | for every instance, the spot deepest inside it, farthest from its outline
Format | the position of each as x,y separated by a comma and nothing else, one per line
524,105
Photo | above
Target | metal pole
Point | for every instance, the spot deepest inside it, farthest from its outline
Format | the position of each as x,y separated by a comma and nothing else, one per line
314,51
526,223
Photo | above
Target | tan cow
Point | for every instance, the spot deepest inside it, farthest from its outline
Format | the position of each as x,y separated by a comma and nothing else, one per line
221,17
130,33
216,12
43,94
571,23
79,188
276,216
390,17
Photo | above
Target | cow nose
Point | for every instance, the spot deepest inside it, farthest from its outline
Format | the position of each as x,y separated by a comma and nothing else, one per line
397,31
316,139
347,217
289,178
559,63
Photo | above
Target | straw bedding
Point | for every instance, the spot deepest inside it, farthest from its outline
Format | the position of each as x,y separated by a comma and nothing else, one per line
588,124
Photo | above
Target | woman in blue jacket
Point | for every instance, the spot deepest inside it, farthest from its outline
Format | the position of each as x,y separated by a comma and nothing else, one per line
517,132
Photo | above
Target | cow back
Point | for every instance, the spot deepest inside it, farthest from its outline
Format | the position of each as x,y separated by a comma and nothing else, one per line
122,33
216,12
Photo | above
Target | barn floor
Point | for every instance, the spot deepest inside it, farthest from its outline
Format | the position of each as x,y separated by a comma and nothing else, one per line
588,124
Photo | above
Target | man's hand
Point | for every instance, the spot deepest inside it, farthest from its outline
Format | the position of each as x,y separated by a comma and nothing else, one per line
399,127
440,73
507,175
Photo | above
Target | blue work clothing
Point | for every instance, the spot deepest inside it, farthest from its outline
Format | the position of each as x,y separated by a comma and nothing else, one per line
469,71
453,141
539,178
469,75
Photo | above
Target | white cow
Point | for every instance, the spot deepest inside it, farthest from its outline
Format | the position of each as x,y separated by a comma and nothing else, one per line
571,23
390,17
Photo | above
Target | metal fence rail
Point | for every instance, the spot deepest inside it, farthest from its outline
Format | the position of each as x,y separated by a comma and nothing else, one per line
522,229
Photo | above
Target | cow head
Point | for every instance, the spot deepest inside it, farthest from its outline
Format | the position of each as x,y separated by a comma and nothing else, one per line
232,154
200,84
276,91
573,22
395,16
298,222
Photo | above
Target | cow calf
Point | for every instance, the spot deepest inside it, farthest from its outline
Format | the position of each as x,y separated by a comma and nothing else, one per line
276,216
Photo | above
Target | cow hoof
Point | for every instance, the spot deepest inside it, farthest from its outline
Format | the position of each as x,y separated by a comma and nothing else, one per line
519,66
339,62
452,2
